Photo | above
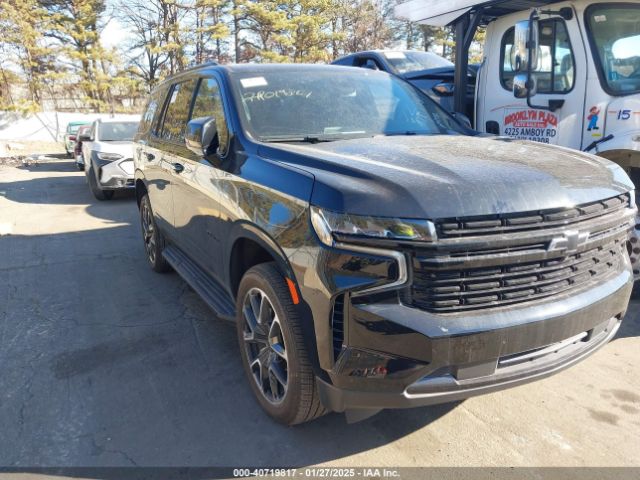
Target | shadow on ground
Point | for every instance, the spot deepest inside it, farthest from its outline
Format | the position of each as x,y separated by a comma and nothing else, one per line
106,363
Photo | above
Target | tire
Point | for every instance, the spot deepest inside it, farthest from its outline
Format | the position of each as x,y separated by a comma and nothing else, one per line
279,343
99,193
152,237
69,154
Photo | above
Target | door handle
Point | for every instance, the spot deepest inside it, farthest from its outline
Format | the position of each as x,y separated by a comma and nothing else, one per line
150,156
178,167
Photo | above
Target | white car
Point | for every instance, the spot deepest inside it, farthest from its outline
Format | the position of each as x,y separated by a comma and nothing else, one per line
108,156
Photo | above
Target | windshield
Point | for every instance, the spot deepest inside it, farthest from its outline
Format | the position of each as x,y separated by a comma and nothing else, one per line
117,131
409,61
73,128
308,104
615,36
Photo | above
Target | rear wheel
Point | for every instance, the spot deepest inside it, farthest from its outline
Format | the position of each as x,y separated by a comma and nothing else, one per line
152,237
273,352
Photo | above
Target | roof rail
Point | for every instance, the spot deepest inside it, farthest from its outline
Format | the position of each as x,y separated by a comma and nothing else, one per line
196,67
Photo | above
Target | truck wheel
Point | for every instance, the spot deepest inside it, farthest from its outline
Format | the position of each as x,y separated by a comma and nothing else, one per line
152,236
99,193
273,353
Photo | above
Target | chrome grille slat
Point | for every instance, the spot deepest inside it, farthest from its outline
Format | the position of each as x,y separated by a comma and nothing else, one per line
488,225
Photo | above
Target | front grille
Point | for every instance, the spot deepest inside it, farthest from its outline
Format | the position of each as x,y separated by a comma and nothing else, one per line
494,286
531,221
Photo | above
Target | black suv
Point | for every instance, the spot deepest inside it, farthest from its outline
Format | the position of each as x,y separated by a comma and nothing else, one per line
373,252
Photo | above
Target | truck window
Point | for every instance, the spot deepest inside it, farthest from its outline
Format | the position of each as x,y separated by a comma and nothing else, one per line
614,33
177,112
208,103
556,70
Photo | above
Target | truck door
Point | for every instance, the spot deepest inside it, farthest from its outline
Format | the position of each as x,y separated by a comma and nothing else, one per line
561,80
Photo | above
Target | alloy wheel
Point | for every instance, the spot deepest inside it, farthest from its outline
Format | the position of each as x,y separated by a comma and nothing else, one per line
265,346
148,232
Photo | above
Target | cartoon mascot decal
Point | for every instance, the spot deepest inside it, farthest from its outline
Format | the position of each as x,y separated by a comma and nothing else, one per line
594,114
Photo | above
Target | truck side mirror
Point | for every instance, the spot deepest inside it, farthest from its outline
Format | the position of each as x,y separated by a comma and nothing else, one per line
199,135
524,86
526,46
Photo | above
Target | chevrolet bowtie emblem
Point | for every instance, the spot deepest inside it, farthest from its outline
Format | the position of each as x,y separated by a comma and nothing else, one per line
569,242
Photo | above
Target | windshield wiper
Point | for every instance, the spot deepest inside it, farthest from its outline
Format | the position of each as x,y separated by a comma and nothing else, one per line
405,133
303,139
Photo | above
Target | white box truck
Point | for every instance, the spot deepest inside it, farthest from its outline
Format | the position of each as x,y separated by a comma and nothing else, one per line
557,72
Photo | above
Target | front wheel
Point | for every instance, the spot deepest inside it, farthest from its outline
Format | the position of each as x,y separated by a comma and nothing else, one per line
98,192
273,352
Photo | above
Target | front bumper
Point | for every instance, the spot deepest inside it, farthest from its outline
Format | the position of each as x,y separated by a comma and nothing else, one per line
423,364
115,175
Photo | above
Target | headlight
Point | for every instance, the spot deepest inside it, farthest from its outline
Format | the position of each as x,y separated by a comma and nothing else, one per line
109,156
330,226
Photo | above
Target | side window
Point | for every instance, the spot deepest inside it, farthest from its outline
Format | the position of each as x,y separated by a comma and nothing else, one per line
556,68
346,61
208,103
177,112
368,62
149,115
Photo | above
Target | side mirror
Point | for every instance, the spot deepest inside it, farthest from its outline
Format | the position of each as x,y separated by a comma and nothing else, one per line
524,86
462,119
444,89
370,64
525,46
199,135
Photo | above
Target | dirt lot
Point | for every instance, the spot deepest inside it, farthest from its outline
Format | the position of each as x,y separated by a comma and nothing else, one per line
105,363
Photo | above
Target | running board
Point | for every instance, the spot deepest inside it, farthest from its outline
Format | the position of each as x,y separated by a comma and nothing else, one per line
213,294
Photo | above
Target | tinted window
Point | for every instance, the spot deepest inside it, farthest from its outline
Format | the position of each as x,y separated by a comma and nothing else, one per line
208,103
177,112
410,61
615,37
295,103
556,69
347,61
117,131
150,114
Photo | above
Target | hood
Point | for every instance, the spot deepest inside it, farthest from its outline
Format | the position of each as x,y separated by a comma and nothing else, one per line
448,176
123,148
439,73
442,73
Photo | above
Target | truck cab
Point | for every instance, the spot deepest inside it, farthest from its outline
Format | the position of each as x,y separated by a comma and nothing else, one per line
581,89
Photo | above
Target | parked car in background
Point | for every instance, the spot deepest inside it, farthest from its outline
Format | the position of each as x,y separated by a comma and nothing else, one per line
83,132
70,136
373,252
431,73
107,153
